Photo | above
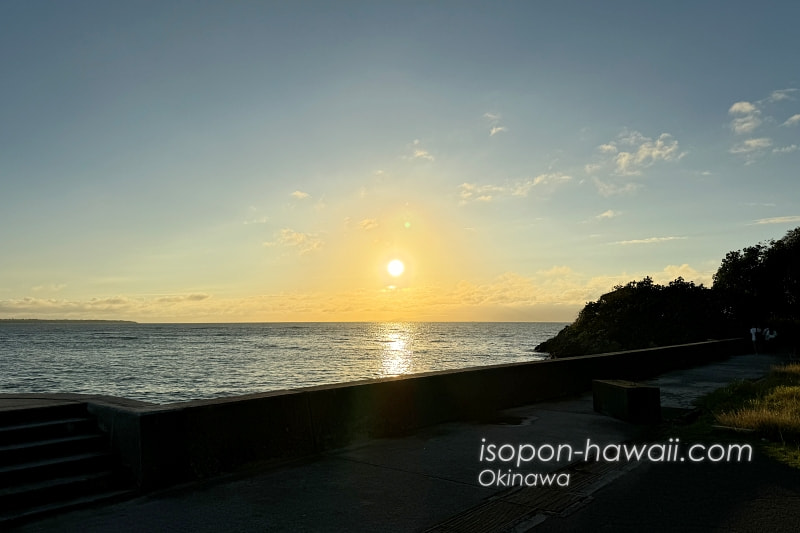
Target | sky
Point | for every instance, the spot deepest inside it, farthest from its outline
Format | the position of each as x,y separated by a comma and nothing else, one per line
266,161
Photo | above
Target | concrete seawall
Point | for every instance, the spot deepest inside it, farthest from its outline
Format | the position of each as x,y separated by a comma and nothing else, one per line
166,444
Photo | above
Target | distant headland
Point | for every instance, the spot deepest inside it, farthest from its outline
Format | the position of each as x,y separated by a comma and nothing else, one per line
61,321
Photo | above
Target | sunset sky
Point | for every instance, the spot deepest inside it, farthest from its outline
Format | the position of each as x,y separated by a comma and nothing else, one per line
179,161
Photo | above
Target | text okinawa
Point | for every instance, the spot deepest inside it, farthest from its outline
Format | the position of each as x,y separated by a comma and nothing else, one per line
507,460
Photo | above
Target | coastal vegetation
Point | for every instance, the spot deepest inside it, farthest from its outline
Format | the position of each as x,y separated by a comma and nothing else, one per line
768,410
758,286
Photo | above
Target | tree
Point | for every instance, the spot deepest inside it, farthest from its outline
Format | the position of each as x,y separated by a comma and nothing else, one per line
756,286
641,314
761,284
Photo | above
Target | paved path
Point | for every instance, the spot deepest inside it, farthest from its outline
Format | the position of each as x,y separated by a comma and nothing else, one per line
429,481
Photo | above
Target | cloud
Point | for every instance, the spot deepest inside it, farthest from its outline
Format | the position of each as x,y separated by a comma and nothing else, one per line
609,148
747,117
630,154
608,214
304,242
469,192
368,224
472,192
742,108
751,145
300,195
794,120
417,152
606,188
555,293
786,149
53,287
649,240
779,220
781,94
165,308
494,122
422,154
551,178
197,297
260,220
46,307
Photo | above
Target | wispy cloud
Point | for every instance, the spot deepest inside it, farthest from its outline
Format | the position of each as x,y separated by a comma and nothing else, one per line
418,152
650,240
53,287
646,152
609,148
258,220
786,149
606,188
368,224
752,145
304,242
472,192
628,156
781,94
494,123
196,297
779,220
300,195
608,214
746,117
794,120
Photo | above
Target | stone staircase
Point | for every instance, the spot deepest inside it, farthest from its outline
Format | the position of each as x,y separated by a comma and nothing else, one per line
53,459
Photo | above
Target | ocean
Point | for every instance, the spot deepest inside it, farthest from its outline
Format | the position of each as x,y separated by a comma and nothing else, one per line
163,363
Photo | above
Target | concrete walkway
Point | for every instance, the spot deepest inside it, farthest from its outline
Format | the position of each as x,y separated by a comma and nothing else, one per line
432,481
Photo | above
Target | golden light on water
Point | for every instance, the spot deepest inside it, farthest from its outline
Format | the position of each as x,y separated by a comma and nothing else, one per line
397,356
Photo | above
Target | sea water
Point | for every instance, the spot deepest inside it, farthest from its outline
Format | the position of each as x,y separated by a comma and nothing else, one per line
164,363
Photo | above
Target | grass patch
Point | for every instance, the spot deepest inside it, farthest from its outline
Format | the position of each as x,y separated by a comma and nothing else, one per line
767,411
770,406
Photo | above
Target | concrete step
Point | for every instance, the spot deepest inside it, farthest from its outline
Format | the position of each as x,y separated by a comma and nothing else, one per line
22,452
54,458
54,467
46,429
26,495
29,415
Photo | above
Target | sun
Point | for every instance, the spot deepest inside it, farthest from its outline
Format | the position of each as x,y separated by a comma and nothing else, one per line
395,267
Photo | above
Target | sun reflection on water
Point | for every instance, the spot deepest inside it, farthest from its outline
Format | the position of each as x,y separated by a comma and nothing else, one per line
397,353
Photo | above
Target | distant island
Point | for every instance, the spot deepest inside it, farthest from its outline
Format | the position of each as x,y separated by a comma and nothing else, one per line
61,321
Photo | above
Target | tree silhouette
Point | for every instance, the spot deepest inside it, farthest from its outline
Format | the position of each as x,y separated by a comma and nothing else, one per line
758,286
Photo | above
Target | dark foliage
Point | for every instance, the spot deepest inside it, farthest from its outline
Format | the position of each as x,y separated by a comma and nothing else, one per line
758,286
641,314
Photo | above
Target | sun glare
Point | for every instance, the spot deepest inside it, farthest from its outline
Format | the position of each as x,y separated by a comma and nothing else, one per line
395,267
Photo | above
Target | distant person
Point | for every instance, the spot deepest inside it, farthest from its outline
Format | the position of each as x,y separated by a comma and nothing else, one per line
755,333
769,340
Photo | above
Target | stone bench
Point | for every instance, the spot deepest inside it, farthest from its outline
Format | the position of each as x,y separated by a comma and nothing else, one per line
627,400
